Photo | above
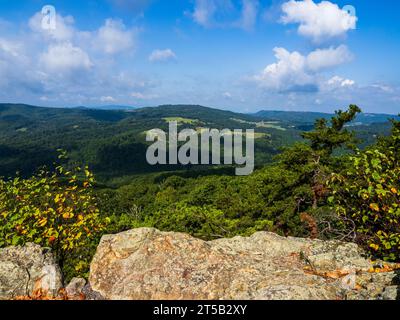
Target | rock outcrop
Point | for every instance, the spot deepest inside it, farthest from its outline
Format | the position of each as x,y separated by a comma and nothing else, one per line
74,290
149,264
28,271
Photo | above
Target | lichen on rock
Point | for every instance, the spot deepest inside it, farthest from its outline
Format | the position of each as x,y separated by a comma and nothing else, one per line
28,270
148,264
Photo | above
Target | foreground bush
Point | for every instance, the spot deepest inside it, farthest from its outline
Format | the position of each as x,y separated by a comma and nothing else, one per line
56,210
367,197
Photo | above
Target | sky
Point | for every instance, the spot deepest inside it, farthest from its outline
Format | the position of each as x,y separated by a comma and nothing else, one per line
240,55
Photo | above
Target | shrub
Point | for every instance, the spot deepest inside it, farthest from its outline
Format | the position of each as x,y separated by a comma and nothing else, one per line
367,197
55,210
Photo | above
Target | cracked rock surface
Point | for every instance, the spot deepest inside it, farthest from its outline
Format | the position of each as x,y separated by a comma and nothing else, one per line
26,270
148,264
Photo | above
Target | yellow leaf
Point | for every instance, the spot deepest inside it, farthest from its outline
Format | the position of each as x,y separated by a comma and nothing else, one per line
42,222
68,215
374,207
374,246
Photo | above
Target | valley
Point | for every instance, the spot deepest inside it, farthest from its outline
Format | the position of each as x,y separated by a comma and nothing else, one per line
113,141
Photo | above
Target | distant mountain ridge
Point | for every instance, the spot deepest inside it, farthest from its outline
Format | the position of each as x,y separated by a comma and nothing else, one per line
307,117
109,107
118,112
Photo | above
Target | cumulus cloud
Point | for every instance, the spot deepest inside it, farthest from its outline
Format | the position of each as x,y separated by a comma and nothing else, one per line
337,81
67,65
16,72
111,38
296,72
107,99
347,83
8,57
9,48
288,74
114,37
65,57
162,55
65,30
327,58
319,22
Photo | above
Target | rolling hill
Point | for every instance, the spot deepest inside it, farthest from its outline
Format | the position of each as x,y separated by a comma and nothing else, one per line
113,141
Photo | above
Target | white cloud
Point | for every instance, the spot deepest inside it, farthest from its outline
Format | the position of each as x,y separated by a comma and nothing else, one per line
162,55
328,58
64,31
289,73
337,81
227,95
16,72
107,99
65,57
26,75
10,48
114,37
8,57
296,72
69,66
383,88
319,22
111,38
347,83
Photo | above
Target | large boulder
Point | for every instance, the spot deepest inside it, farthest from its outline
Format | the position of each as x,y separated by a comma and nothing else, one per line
27,272
148,264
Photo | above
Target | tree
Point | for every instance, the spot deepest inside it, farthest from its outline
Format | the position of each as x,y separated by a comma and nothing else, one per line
325,138
313,161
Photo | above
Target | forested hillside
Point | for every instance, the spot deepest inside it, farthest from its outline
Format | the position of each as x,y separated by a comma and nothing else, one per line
320,180
113,141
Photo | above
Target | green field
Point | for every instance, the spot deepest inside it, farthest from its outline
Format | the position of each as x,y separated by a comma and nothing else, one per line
181,120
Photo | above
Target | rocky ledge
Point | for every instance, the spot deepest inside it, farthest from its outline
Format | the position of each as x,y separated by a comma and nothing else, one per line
148,264
28,271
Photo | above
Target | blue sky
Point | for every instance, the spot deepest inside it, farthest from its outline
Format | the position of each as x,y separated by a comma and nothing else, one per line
242,55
